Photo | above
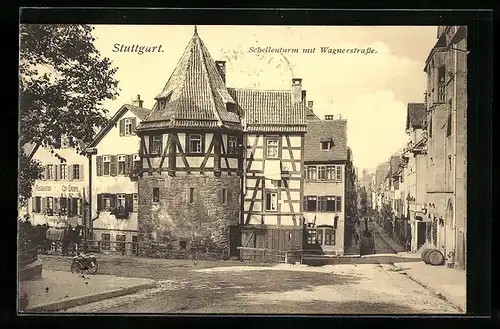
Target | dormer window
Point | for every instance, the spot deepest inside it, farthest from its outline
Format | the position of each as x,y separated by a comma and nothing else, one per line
326,144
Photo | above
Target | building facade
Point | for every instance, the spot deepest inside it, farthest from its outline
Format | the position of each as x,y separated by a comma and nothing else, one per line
324,201
446,101
189,183
114,179
58,198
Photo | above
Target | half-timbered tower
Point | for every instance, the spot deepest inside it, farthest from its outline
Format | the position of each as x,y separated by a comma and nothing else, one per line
191,170
275,125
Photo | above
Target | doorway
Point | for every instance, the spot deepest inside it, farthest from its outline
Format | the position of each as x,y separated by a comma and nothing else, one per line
420,234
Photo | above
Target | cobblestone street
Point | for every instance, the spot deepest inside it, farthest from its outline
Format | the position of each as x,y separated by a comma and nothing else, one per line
231,287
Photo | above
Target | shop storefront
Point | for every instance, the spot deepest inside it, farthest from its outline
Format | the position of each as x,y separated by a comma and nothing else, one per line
57,204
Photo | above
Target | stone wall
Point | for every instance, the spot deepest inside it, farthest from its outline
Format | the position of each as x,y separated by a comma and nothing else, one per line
174,221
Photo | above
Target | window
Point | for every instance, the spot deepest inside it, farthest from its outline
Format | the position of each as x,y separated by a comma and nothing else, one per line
224,195
321,172
449,121
120,239
50,172
106,202
135,202
76,171
232,145
156,144
319,236
330,203
338,203
121,164
325,146
156,194
121,200
311,172
50,206
128,126
330,172
38,205
106,161
339,173
63,171
330,237
191,195
321,203
311,203
271,201
272,149
105,238
183,245
311,236
195,144
137,161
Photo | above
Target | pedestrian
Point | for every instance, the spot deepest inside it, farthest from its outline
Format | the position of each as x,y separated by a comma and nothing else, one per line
356,238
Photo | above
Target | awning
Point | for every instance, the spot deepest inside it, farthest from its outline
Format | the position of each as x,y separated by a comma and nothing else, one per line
272,169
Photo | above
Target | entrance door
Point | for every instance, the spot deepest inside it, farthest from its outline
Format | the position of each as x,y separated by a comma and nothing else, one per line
449,229
420,234
235,242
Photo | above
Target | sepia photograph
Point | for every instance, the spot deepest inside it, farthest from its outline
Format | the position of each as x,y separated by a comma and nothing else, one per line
242,169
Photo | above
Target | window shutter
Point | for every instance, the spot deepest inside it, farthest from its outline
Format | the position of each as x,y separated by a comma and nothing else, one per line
113,165
82,173
122,127
134,124
33,204
203,142
304,203
128,202
112,200
99,202
56,176
44,204
128,164
221,192
70,172
98,162
46,172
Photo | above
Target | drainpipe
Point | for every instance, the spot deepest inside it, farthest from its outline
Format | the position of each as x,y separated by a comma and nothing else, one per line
455,149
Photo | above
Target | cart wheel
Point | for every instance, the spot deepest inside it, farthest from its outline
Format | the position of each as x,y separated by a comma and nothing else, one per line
92,269
76,267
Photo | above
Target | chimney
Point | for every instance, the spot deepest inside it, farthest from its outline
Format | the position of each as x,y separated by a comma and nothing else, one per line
138,102
221,68
296,90
310,104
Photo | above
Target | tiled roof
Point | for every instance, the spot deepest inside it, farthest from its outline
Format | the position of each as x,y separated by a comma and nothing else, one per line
336,130
140,112
416,115
265,110
310,116
195,91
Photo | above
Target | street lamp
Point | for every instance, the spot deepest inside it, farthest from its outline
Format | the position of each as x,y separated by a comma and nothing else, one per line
90,152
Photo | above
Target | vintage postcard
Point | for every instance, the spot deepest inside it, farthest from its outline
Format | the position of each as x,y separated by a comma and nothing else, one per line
242,169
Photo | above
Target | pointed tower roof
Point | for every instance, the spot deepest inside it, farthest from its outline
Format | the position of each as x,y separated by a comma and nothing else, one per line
195,95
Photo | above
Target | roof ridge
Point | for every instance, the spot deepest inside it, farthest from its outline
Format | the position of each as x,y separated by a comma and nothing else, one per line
267,90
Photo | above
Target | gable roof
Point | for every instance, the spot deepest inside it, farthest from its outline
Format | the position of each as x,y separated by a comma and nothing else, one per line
311,116
416,115
317,131
270,110
195,94
140,112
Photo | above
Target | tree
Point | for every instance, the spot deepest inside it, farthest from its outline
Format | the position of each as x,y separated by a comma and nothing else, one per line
63,82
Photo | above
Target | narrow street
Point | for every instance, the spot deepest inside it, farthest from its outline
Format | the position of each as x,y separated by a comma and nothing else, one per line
234,287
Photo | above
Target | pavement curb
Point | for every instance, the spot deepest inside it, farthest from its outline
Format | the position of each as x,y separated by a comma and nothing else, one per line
91,298
435,291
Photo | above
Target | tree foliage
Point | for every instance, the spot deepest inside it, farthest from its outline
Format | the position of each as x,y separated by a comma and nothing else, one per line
63,83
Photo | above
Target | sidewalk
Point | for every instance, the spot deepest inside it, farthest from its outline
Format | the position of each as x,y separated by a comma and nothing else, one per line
58,290
393,244
448,282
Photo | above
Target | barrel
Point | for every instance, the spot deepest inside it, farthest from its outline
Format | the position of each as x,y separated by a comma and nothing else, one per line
436,257
425,255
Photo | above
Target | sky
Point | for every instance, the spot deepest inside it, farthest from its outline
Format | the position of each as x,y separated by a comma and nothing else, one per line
371,90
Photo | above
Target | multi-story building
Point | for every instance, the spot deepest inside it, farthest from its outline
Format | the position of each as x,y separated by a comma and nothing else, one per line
378,184
415,157
446,100
325,160
114,179
59,197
